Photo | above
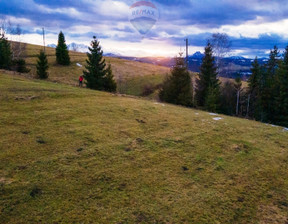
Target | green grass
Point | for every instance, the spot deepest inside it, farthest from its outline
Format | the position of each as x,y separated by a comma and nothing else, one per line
73,155
130,79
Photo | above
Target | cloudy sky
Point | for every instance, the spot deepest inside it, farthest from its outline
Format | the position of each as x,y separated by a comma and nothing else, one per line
254,26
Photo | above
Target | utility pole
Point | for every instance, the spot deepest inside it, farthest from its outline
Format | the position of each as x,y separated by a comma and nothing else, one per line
237,104
248,106
2,32
186,40
43,38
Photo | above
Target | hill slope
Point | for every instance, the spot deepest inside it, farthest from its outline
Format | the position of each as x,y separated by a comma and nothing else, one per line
72,155
131,76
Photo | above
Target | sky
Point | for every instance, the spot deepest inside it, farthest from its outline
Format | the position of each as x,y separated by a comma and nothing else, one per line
253,26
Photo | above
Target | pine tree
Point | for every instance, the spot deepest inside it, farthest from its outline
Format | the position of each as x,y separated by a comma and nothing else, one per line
62,54
272,64
207,85
95,69
253,82
177,88
21,66
42,66
281,98
227,98
212,100
268,88
253,89
110,84
5,53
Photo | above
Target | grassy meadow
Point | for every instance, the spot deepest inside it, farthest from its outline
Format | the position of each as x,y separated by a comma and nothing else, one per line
73,155
130,79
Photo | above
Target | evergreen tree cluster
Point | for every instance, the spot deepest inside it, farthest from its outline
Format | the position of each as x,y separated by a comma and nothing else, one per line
268,89
97,75
177,88
265,99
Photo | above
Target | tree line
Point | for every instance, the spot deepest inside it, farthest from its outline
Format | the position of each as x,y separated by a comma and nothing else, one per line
264,99
97,75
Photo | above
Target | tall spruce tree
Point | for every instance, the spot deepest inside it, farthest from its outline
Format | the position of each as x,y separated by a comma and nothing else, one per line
253,89
96,75
42,66
177,88
207,85
268,88
62,54
5,53
95,69
227,98
253,81
272,63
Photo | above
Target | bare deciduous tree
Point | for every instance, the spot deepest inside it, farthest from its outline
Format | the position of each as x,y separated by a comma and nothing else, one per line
221,46
14,35
18,48
74,47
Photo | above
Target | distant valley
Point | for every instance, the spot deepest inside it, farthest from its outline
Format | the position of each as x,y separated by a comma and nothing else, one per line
232,66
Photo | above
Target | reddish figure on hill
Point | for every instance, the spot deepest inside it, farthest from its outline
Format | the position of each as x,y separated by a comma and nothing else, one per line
81,80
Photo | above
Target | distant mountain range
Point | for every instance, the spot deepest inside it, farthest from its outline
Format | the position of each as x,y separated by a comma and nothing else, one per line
73,47
233,65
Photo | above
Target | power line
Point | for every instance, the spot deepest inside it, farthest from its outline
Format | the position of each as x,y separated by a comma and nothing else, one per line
43,38
187,61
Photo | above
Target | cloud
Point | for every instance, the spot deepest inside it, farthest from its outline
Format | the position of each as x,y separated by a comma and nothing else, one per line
257,27
252,24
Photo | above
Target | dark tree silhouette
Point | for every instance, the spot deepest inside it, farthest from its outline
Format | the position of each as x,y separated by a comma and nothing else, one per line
177,88
62,54
42,66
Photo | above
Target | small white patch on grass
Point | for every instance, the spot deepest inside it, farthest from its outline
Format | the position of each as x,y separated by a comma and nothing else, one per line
217,118
78,64
162,104
213,114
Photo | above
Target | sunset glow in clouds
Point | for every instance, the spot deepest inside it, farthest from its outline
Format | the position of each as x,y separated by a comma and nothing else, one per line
253,26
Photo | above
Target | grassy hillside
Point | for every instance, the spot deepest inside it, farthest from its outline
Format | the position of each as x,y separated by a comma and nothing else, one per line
130,79
73,155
